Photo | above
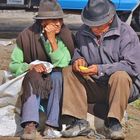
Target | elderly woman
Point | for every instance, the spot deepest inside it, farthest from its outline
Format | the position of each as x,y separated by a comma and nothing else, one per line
48,39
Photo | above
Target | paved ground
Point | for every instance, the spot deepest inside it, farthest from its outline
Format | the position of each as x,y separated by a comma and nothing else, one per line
16,20
133,128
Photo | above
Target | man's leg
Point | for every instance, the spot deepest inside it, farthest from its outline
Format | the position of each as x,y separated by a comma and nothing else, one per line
78,92
115,98
74,95
75,100
120,85
74,105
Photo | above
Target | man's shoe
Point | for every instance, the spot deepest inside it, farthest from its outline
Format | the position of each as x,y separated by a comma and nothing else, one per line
29,132
51,133
78,128
114,129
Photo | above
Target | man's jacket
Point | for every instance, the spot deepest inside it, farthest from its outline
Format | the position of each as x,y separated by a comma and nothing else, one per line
116,50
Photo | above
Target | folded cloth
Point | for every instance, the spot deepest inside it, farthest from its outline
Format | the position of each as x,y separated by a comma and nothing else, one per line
39,84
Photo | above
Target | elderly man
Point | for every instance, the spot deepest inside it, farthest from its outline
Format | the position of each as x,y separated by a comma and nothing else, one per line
105,69
49,40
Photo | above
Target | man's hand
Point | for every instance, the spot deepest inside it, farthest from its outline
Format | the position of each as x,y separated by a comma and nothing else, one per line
91,70
38,68
77,63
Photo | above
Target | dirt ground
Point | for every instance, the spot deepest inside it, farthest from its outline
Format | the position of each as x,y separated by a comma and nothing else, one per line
133,125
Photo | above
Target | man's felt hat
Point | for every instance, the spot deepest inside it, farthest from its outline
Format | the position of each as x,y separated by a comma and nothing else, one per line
98,12
49,9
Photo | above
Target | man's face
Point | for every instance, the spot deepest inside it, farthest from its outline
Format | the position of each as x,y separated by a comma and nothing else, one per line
56,23
99,30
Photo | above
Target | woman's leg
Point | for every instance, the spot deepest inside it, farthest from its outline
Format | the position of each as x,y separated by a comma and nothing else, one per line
30,116
53,107
30,109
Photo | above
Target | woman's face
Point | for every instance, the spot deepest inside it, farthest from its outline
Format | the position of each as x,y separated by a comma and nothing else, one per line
56,23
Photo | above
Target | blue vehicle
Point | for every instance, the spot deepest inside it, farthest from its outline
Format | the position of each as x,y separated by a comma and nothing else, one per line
121,5
128,10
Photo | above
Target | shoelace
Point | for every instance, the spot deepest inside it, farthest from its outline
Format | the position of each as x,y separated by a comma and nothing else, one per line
76,123
94,134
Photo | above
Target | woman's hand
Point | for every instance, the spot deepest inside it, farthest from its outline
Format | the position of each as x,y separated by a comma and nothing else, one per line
38,68
50,31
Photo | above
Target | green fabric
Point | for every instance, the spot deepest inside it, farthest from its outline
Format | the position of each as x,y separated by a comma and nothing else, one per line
59,58
17,66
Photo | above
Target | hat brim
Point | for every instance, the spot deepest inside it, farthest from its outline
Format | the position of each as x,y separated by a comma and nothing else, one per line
100,22
51,17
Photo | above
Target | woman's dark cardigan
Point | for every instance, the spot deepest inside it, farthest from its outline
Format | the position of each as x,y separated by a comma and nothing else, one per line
33,49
